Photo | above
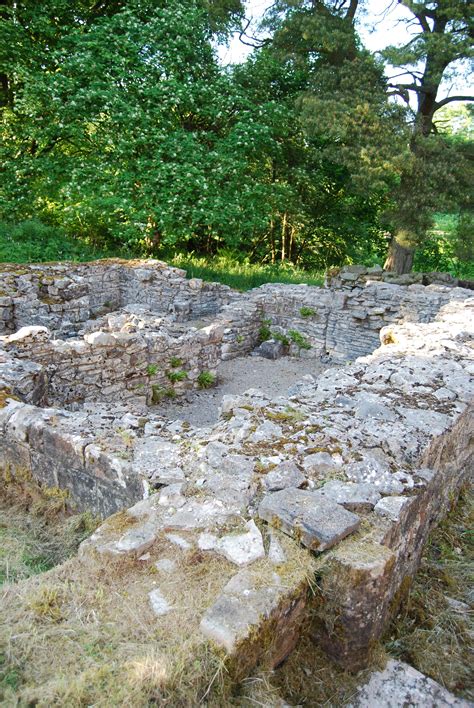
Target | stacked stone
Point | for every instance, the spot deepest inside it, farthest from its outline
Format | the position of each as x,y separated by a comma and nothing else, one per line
111,366
345,324
356,275
61,296
241,321
380,447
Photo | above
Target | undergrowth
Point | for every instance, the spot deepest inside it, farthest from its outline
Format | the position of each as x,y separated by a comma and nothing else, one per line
242,275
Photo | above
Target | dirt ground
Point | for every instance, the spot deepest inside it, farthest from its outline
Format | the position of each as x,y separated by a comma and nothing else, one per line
200,408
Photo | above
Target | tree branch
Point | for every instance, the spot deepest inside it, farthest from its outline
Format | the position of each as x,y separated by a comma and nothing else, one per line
420,16
450,99
352,9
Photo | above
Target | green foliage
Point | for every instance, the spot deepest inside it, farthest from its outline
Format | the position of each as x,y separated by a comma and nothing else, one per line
175,361
229,269
281,338
307,312
158,393
152,369
265,333
175,376
449,247
298,339
122,134
33,241
206,379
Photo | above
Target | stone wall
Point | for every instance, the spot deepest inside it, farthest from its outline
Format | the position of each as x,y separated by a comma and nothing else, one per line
356,275
124,362
62,296
344,324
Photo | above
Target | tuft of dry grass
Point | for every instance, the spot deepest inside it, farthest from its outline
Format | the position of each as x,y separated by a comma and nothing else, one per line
37,529
85,633
434,628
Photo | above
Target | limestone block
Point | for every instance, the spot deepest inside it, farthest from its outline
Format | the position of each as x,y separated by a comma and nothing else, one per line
270,349
400,685
317,522
249,610
243,548
355,497
284,475
207,513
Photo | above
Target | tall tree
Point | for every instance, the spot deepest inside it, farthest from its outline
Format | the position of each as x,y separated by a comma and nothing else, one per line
344,105
445,37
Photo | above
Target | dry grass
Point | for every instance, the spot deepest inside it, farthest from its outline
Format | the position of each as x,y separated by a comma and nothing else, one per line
37,530
431,632
85,634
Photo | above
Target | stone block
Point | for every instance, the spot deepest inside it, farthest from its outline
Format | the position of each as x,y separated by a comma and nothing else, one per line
355,497
316,522
400,685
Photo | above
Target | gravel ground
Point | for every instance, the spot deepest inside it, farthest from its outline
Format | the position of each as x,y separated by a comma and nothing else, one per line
200,408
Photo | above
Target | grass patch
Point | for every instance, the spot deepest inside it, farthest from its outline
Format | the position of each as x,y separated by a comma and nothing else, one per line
240,275
35,242
206,379
85,634
432,631
37,531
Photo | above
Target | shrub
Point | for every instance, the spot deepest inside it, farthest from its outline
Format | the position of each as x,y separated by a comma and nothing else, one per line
307,312
300,341
206,379
175,376
264,332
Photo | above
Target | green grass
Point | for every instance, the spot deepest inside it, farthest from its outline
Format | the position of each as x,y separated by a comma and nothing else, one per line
34,242
449,247
240,275
36,533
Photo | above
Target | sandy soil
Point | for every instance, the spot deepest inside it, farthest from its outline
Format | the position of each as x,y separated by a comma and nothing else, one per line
200,408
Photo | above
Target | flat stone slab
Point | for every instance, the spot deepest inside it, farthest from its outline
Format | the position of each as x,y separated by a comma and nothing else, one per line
242,548
284,475
317,522
241,606
355,497
158,602
400,685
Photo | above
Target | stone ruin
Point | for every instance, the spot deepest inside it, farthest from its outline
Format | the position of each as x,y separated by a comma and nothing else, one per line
347,473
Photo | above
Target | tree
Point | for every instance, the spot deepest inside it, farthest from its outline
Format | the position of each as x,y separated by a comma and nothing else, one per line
445,36
344,110
121,123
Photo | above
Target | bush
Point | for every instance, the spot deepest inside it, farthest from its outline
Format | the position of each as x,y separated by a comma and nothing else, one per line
206,379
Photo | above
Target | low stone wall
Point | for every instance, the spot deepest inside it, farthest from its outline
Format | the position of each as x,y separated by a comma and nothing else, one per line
352,276
123,363
356,467
344,324
61,296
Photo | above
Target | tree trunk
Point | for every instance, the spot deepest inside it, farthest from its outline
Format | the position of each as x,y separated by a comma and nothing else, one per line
399,259
283,237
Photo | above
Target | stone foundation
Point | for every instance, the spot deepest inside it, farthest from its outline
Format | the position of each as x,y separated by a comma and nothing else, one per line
347,473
